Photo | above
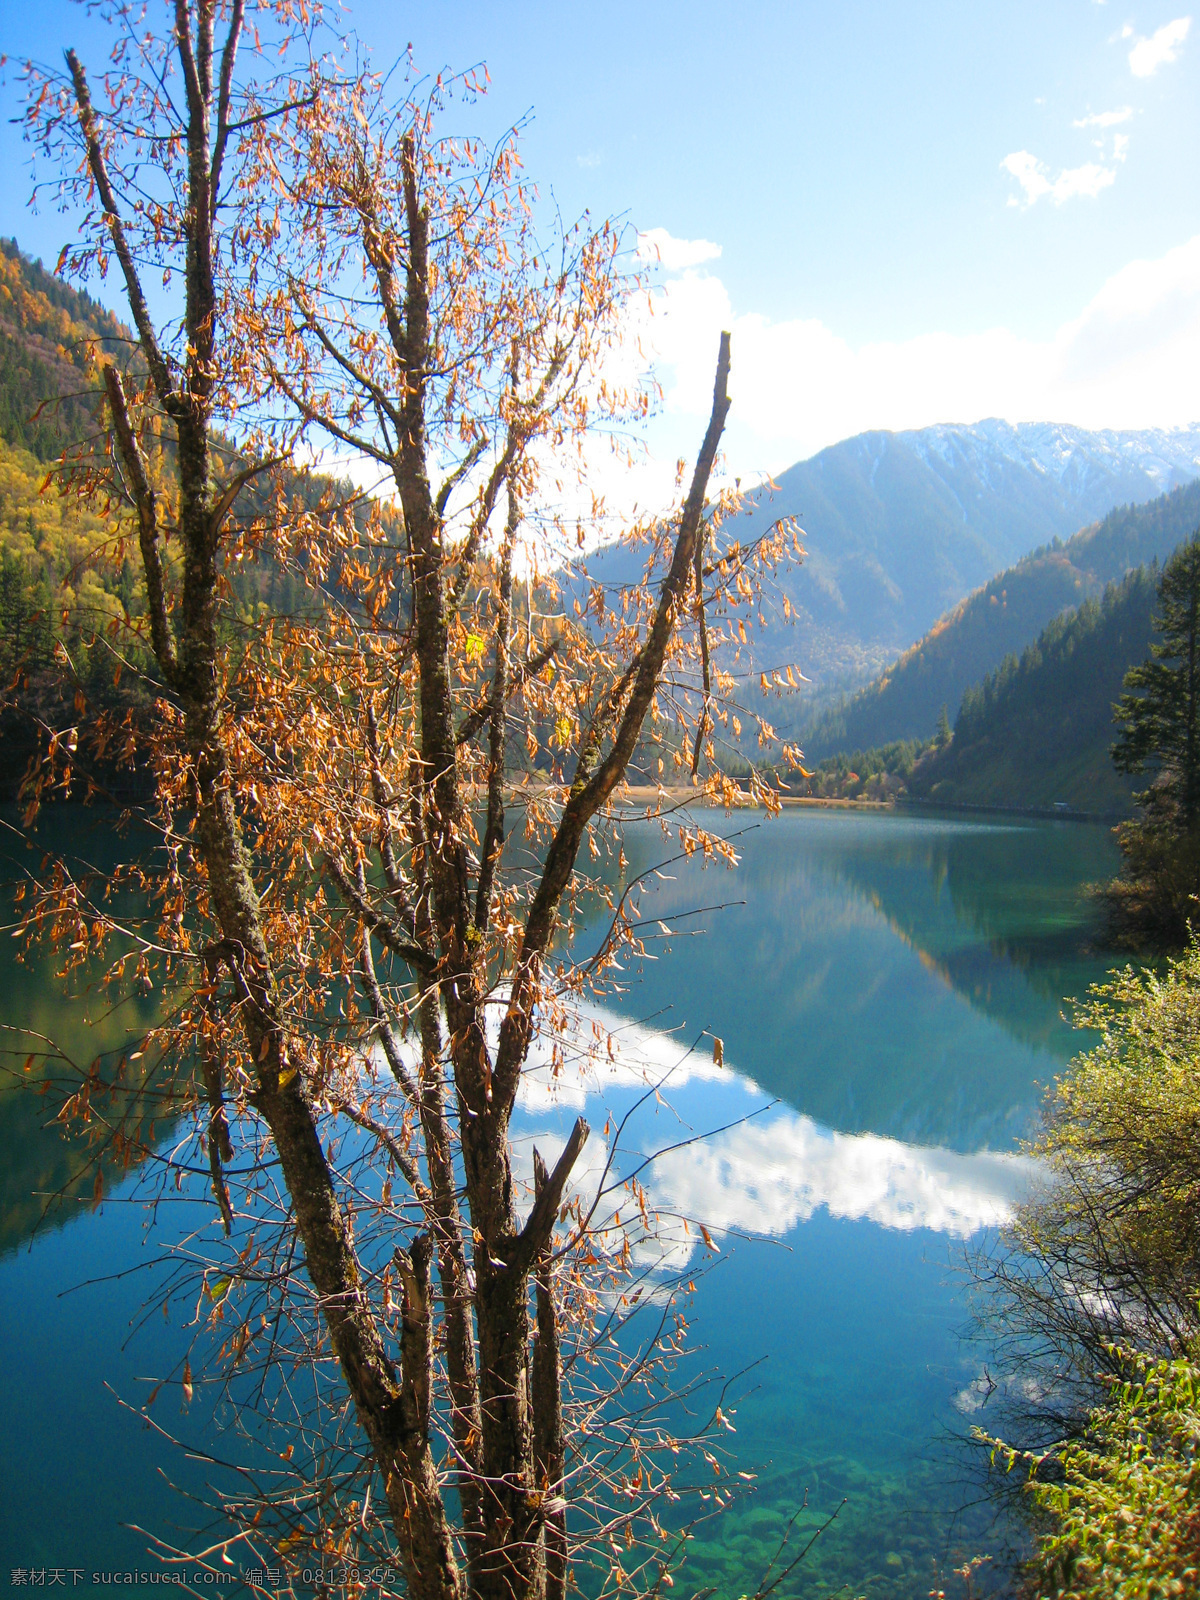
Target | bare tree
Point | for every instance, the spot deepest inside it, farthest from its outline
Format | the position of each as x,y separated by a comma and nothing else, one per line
337,792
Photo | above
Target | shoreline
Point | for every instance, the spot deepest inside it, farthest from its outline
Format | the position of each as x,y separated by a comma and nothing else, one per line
641,798
648,795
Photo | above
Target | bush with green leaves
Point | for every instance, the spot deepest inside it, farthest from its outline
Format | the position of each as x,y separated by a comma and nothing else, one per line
1095,1295
1123,1521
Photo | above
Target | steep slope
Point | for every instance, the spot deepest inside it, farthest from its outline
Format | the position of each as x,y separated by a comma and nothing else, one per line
60,576
50,394
1037,731
998,619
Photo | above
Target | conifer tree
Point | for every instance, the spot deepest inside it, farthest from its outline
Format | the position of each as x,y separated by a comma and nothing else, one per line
1159,713
1156,894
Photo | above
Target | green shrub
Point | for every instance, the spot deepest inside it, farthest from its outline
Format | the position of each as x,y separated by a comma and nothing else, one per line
1123,1523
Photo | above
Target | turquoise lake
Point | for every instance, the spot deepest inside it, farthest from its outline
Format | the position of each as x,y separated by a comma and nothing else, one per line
891,990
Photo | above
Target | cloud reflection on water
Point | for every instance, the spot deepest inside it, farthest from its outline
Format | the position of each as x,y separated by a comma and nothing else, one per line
766,1177
763,1176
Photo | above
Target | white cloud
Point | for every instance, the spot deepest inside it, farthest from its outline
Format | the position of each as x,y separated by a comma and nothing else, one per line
1035,180
674,255
1160,49
587,1175
1104,119
1127,360
1120,146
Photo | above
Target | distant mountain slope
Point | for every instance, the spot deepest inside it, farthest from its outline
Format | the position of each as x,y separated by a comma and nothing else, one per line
998,619
47,394
63,575
901,526
1037,731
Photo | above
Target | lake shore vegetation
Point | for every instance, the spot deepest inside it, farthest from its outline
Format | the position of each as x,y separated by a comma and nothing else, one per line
1093,1297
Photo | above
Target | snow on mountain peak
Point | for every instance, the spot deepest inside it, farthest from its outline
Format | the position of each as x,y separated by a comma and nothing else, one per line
1073,457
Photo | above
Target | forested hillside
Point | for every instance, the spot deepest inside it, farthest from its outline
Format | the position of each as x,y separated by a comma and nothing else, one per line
54,554
62,574
65,573
1000,619
1037,732
47,392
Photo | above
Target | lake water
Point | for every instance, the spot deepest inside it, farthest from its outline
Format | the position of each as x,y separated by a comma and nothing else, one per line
890,993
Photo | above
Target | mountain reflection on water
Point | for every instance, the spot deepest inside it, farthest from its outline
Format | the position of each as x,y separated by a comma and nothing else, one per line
890,992
863,974
52,1028
1015,915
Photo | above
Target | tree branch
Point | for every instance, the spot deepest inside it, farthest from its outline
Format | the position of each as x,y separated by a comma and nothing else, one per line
234,487
459,473
149,538
386,1037
403,1163
275,111
322,420
487,504
384,800
590,790
500,474
349,367
523,1251
546,1401
219,1147
197,98
705,721
159,371
479,712
228,57
382,927
416,1346
493,838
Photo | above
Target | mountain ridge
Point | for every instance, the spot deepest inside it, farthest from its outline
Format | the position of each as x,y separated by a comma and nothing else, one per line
902,526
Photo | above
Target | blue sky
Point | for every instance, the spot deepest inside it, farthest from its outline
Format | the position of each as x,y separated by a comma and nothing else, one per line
903,210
